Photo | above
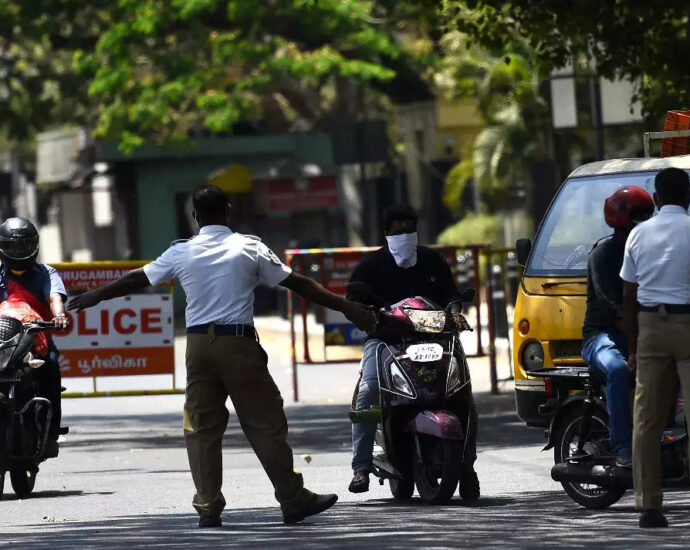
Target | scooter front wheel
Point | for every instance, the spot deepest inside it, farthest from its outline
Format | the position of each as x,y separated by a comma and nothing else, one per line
437,465
401,489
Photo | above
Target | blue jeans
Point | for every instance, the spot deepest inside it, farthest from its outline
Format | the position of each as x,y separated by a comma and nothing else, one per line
363,433
604,352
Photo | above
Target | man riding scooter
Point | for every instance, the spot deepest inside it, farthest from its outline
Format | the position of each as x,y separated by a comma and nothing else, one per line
605,347
395,272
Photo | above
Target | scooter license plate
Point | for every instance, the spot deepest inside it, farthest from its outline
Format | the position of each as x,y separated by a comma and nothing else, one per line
424,353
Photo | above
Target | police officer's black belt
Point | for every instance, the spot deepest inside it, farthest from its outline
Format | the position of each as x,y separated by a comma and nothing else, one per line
246,331
670,308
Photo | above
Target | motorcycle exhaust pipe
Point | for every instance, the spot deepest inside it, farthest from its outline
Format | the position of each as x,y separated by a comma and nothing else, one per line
605,476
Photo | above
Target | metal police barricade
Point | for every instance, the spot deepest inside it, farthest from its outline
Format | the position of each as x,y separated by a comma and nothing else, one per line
332,267
132,335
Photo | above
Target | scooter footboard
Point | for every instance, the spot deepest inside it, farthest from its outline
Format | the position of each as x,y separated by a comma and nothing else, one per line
441,424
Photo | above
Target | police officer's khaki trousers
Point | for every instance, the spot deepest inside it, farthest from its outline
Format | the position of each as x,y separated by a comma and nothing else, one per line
218,366
663,357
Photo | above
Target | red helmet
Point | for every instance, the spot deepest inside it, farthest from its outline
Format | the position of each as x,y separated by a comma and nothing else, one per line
626,206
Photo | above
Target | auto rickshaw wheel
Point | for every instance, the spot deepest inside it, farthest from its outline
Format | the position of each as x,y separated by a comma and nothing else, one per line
585,494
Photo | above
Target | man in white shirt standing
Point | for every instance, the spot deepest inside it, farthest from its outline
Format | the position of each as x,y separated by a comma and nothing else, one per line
656,303
218,271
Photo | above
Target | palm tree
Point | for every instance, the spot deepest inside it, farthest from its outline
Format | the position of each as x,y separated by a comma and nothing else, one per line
507,88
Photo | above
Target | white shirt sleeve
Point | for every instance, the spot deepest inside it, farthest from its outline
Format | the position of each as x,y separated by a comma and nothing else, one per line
629,270
162,269
271,270
56,284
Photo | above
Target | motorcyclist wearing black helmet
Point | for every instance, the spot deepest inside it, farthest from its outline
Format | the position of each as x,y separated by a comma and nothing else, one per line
42,288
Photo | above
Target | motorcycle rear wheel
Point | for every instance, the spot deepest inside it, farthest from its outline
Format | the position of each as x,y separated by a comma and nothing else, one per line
23,482
436,483
590,496
401,489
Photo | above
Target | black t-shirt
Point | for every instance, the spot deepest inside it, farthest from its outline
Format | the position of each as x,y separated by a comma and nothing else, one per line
430,277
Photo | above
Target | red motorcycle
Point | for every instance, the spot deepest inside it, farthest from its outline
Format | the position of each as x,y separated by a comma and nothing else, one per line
425,396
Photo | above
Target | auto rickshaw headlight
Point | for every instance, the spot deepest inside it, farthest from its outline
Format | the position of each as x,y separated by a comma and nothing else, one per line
533,356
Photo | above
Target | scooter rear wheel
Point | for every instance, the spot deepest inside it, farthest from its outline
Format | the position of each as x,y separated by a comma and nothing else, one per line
23,482
401,489
437,471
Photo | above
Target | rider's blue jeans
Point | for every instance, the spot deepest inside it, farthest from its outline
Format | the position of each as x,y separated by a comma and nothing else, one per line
363,433
604,351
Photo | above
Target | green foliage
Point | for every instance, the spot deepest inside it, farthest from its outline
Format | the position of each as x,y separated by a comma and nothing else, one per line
473,229
506,86
163,68
645,42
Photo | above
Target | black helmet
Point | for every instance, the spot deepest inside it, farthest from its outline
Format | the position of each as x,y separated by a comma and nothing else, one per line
18,244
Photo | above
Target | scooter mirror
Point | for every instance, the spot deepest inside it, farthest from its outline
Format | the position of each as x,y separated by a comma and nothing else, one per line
467,295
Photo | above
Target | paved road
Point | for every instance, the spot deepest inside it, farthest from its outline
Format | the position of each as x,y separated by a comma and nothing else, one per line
121,481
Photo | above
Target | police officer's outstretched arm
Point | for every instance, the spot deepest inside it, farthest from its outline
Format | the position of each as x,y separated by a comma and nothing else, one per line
127,284
358,313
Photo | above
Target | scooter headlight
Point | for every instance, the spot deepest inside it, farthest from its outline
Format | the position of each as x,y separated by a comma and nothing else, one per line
427,321
456,378
400,382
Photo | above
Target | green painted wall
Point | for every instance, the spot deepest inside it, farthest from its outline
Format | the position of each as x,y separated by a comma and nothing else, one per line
164,172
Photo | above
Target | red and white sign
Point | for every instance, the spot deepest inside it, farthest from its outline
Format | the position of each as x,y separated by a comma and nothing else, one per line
125,336
289,195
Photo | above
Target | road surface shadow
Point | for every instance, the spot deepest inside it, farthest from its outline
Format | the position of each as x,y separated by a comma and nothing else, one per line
543,520
322,428
9,495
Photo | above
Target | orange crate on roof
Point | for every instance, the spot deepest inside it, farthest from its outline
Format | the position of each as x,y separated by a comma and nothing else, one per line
676,120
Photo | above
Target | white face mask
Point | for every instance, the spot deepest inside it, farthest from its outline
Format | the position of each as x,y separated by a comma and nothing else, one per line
403,247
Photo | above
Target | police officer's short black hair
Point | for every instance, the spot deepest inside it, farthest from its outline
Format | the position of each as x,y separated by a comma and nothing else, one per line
672,185
210,201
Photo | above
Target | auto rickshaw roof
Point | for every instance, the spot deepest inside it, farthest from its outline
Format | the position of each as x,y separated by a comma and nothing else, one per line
618,166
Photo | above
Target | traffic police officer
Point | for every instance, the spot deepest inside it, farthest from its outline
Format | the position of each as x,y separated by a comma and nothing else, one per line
218,270
656,309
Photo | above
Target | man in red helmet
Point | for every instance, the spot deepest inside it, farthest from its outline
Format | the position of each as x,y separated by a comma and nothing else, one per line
605,347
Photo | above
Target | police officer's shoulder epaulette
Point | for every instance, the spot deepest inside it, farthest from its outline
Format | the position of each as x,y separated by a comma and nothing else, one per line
253,237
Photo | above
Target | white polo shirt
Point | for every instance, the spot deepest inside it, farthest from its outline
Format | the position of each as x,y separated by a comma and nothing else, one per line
218,270
657,258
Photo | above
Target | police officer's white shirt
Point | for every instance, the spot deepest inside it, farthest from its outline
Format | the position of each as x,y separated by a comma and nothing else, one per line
657,258
218,270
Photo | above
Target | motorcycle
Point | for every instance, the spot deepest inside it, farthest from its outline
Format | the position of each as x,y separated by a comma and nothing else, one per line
579,436
25,418
425,396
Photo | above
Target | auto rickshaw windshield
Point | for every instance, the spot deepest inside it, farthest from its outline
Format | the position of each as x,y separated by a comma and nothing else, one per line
575,222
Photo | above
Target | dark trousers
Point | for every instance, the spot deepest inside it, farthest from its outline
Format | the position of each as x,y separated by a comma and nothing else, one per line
50,386
222,366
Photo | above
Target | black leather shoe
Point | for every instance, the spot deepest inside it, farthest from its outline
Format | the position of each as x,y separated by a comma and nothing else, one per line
469,485
653,518
318,504
360,482
210,521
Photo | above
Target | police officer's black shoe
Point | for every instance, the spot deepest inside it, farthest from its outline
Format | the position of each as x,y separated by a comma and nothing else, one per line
210,521
317,504
469,485
653,518
360,482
